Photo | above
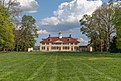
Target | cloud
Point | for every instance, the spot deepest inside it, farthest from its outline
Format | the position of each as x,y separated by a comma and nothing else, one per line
26,5
68,14
42,32
82,40
29,5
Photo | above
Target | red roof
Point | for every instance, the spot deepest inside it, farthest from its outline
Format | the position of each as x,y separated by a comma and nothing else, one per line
63,39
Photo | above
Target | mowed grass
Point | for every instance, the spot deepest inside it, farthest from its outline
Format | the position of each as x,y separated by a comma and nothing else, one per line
61,66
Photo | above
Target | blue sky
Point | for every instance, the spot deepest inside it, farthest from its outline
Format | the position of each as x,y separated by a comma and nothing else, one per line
46,7
50,22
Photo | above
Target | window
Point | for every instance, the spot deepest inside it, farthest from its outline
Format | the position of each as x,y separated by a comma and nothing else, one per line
47,43
43,48
43,43
49,39
65,43
71,43
68,40
54,47
76,48
56,43
75,43
66,47
72,48
47,48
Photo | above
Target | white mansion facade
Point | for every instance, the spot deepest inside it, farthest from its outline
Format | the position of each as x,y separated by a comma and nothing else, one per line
59,43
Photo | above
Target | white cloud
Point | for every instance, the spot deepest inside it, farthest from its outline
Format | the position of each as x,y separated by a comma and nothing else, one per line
82,40
68,14
26,5
54,21
29,5
42,32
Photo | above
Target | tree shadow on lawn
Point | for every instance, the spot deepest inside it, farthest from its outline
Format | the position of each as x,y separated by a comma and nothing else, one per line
80,54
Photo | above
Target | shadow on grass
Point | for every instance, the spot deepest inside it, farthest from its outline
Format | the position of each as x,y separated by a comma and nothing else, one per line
78,54
74,54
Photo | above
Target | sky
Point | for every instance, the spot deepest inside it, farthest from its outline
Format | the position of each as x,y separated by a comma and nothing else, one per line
53,16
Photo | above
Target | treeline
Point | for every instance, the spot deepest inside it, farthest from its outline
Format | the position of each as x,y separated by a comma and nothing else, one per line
15,33
103,27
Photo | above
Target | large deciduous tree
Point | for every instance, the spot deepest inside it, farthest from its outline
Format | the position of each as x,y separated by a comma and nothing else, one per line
26,34
6,31
13,7
118,25
100,26
24,31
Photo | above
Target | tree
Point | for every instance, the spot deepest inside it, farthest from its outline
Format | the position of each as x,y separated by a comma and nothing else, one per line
24,35
90,26
106,16
113,46
118,25
13,7
27,33
100,26
17,33
6,31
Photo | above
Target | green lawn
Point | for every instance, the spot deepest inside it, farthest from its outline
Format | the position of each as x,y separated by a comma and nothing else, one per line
60,66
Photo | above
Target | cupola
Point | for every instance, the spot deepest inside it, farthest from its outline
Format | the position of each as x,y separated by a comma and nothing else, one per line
60,35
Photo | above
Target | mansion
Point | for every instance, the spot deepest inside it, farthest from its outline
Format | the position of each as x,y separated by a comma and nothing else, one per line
59,43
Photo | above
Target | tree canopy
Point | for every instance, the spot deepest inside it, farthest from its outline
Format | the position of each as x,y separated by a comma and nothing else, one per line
6,31
99,27
26,33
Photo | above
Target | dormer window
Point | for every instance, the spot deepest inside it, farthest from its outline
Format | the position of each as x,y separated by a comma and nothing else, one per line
68,39
49,39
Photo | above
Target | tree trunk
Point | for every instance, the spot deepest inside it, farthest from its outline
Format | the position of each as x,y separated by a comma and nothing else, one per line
4,49
17,47
101,46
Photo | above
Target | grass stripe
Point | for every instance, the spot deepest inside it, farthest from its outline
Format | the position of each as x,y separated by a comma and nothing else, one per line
17,67
80,71
97,71
86,78
59,67
101,73
31,77
15,60
77,69
54,71
73,69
